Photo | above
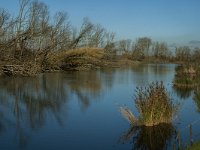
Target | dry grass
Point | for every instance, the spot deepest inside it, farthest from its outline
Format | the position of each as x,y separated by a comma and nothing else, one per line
153,104
185,77
76,59
128,115
83,59
92,52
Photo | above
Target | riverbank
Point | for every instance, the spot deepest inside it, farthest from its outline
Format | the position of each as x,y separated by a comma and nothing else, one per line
74,60
71,60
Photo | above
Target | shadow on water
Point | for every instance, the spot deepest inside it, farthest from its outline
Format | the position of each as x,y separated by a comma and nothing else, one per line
150,138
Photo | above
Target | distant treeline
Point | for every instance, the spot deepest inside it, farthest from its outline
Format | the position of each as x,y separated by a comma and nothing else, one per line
33,33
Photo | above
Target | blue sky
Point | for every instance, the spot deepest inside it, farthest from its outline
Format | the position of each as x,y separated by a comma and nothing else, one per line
174,21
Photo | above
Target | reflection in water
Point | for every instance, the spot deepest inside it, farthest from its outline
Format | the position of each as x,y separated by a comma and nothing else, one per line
26,103
196,98
31,97
184,83
150,138
158,69
85,86
183,92
45,108
88,85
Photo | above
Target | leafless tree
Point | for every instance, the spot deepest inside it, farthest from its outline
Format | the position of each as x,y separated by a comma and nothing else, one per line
143,45
183,53
96,36
109,41
86,27
160,50
124,45
6,33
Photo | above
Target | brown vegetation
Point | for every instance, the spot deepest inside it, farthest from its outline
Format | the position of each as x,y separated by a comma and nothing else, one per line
34,37
77,59
153,104
186,76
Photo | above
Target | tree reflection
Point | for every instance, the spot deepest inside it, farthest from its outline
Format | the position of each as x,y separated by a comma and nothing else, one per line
196,98
150,138
89,85
159,69
26,103
32,97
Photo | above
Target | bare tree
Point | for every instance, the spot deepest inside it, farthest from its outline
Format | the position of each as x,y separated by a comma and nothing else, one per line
4,24
124,45
86,27
4,17
160,50
7,34
109,41
21,28
183,53
60,31
141,48
96,36
38,18
58,36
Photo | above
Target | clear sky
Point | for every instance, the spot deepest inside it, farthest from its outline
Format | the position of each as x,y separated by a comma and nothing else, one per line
166,20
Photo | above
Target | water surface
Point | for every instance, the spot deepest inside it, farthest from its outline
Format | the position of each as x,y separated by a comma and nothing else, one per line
79,110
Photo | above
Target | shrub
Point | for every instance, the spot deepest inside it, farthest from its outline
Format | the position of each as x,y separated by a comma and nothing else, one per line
153,104
186,77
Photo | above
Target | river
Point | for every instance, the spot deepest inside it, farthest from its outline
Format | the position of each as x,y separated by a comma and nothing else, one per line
80,110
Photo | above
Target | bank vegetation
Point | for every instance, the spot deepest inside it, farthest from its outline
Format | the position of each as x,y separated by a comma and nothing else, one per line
33,41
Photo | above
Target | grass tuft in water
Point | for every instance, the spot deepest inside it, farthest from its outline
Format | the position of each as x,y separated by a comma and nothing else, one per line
153,104
186,77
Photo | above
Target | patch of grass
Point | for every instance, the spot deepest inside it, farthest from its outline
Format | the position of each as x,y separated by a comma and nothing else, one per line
76,59
92,52
186,77
153,104
195,146
184,81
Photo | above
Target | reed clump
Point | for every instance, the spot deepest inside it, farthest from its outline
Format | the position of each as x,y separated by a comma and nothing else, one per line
153,104
186,77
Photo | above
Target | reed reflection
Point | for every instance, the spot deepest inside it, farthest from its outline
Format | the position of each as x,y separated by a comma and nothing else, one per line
150,137
183,92
184,82
196,98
